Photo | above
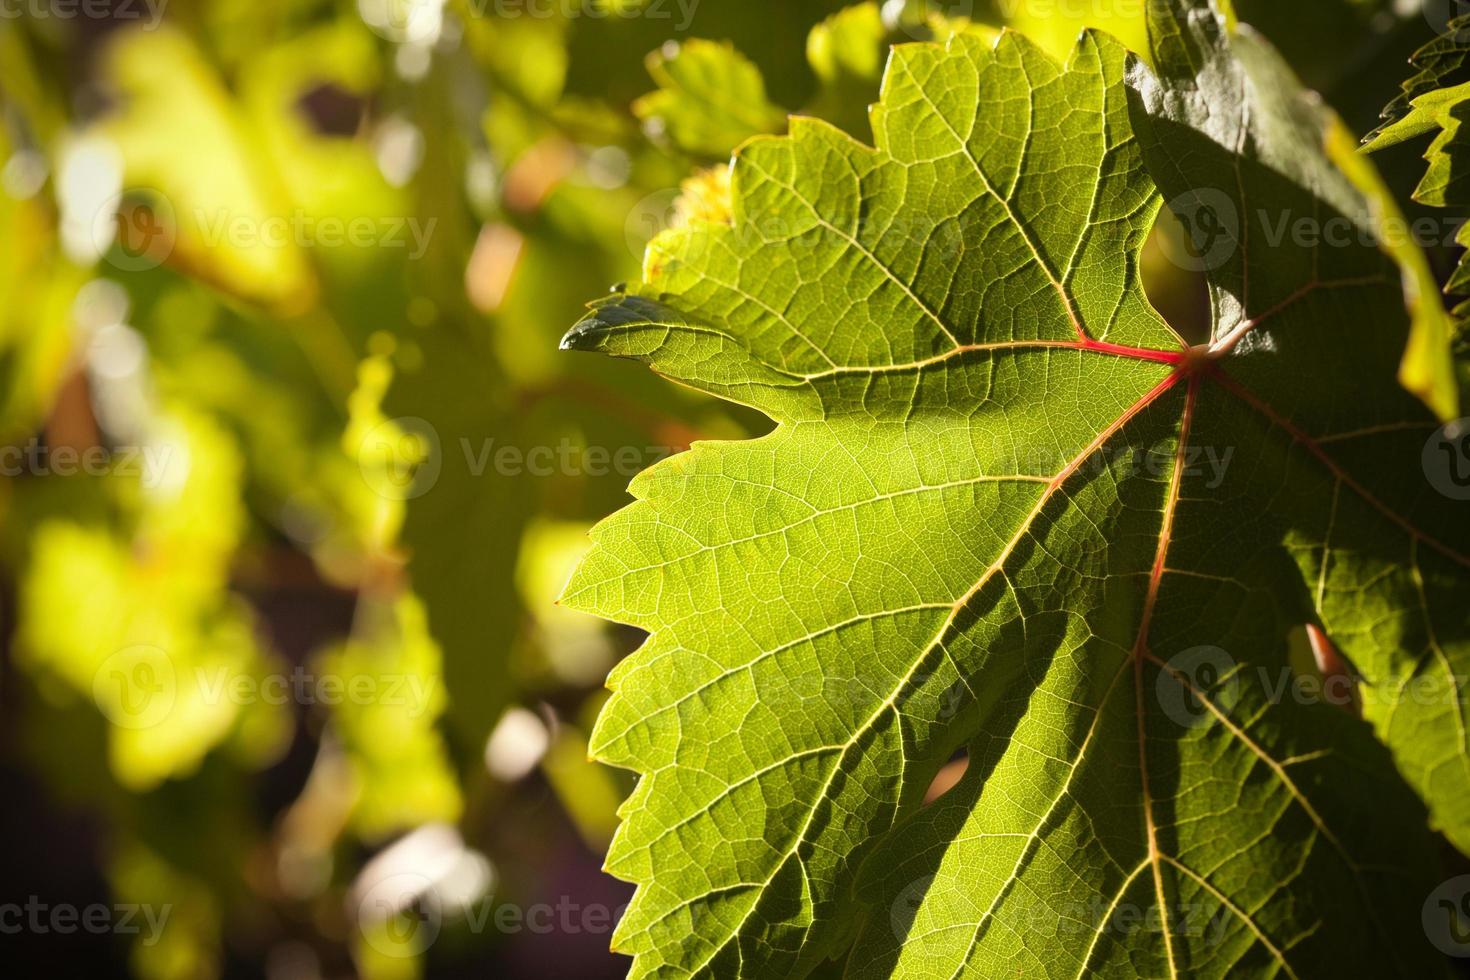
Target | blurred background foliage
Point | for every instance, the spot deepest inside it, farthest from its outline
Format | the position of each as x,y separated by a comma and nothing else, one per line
292,465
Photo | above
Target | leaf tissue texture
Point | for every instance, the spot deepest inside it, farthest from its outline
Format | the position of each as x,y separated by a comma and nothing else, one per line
1436,99
987,521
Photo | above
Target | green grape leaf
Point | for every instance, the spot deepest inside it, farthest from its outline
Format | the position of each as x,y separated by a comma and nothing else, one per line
1427,100
35,326
400,769
1006,511
186,146
159,639
846,54
454,498
710,98
1436,99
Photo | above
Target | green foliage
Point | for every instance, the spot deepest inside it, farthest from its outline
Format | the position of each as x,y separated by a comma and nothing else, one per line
1436,99
950,542
399,771
1003,513
710,98
155,640
40,286
1428,102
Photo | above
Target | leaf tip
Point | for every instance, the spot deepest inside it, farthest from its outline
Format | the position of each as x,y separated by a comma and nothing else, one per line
602,318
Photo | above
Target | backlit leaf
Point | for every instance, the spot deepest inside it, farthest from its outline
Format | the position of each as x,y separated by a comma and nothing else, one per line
1006,511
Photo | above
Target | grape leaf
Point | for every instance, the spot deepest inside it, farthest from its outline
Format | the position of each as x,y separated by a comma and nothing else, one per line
173,109
1006,510
469,593
35,341
846,54
1436,99
710,97
1442,69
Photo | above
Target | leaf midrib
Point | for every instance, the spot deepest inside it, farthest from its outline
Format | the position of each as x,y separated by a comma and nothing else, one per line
1195,373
